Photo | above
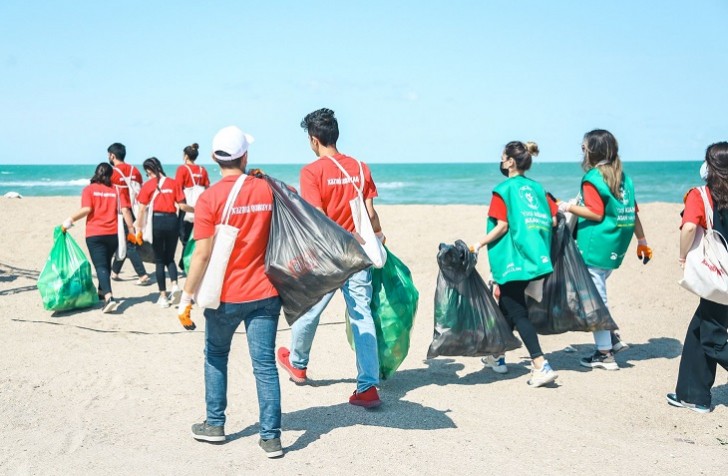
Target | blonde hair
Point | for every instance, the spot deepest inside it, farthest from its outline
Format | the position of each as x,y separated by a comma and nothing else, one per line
602,151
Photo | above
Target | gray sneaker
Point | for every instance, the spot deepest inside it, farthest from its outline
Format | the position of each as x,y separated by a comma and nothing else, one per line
272,447
600,361
204,432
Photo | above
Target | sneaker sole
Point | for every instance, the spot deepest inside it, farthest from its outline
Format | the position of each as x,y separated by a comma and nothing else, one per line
110,307
274,454
212,439
543,382
372,404
599,365
678,404
498,370
293,377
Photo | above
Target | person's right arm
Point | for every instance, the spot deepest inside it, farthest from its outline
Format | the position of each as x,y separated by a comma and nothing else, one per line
593,208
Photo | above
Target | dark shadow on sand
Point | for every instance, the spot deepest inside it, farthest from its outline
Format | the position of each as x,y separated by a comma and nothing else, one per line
654,348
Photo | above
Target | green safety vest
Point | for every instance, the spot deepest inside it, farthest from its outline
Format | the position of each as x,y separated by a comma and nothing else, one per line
524,252
603,244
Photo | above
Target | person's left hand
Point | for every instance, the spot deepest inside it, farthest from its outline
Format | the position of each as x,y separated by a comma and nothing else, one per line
67,223
564,207
644,252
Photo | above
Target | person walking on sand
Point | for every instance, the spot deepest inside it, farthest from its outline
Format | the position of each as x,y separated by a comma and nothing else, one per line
247,294
100,203
606,222
193,179
520,223
160,196
128,180
706,341
325,186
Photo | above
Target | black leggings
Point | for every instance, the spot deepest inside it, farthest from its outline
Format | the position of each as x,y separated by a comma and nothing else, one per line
101,249
165,228
185,233
704,349
513,305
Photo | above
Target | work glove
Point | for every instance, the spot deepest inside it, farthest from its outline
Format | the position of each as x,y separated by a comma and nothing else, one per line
380,236
185,306
564,206
67,223
475,247
139,240
644,252
131,238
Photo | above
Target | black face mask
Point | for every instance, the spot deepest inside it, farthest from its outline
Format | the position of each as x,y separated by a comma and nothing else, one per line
503,171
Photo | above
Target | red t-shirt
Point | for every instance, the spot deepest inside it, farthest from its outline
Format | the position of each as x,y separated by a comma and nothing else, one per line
694,208
325,186
184,180
245,278
593,201
169,194
103,201
118,180
499,211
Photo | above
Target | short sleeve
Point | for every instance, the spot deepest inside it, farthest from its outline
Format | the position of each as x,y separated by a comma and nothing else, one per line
694,209
145,195
124,199
204,218
552,205
370,188
498,208
310,188
87,197
592,200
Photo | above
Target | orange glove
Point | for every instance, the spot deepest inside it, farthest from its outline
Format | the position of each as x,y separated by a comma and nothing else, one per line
256,173
131,238
185,319
644,252
139,240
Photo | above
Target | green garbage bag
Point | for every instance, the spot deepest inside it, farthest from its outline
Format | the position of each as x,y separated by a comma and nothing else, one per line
187,254
65,282
394,305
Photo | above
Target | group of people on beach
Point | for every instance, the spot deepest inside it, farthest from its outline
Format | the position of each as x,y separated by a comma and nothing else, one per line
520,221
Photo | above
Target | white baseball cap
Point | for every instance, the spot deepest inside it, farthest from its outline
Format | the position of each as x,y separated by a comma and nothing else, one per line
230,143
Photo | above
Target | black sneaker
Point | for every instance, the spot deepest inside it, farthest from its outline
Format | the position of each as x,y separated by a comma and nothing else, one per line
673,400
600,361
617,344
272,447
204,432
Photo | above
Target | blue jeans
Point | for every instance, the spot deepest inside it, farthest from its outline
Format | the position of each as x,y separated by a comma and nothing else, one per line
357,291
261,324
602,339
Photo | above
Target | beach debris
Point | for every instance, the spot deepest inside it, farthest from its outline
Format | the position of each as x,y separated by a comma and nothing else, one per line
13,195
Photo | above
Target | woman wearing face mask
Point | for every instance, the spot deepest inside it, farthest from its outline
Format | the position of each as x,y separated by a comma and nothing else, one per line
520,223
606,221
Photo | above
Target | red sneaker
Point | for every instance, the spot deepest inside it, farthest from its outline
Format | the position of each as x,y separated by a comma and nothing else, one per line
283,358
369,398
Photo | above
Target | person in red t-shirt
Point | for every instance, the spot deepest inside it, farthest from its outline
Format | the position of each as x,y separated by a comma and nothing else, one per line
127,180
247,294
100,204
326,187
705,341
160,196
192,179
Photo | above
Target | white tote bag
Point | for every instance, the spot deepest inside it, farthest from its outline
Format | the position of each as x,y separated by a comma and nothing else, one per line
120,233
363,225
191,195
148,228
210,288
706,264
134,189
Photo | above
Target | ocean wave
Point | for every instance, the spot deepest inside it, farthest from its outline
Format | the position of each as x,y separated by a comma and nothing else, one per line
3,172
391,185
46,183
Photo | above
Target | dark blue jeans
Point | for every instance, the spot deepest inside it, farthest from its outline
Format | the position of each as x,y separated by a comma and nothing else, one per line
101,249
133,255
261,324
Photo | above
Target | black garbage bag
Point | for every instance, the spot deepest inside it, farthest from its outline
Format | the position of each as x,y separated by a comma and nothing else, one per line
308,254
468,321
570,300
145,251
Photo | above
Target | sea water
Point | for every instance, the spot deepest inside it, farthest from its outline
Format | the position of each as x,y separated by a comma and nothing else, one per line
459,183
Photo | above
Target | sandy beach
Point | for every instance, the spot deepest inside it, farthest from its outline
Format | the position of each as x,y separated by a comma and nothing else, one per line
87,393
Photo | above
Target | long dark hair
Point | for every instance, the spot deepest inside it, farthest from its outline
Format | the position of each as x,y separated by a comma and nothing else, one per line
522,153
102,174
601,150
716,156
152,164
192,151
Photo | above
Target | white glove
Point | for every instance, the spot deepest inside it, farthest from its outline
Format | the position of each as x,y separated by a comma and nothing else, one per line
185,300
564,207
475,247
67,223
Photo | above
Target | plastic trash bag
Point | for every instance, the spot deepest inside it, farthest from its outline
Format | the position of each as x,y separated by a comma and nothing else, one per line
394,306
308,254
65,282
468,321
187,254
570,300
146,252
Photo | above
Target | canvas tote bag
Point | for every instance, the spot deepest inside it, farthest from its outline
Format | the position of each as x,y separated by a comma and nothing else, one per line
706,264
191,195
210,288
363,225
134,189
120,233
148,228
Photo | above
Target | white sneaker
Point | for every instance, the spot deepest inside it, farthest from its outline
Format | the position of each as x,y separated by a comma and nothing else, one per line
542,376
174,295
163,302
498,365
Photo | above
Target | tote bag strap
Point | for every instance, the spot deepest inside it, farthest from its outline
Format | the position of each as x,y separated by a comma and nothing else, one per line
346,174
226,212
708,208
192,176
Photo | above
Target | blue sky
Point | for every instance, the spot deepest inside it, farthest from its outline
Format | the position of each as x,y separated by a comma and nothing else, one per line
410,81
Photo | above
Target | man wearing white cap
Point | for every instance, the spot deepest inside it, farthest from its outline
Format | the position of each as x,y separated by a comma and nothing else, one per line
247,294
326,186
